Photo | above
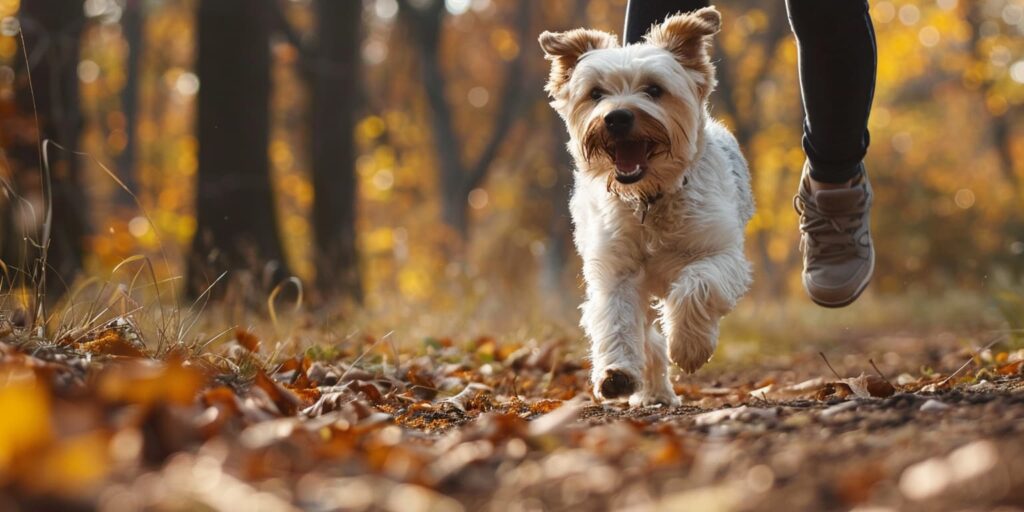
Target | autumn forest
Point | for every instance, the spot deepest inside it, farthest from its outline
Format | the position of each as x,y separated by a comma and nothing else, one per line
320,252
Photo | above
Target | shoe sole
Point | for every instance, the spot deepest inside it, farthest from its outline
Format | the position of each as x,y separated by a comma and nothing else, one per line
853,298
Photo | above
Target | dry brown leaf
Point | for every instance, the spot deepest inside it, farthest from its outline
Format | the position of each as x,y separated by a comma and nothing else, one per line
150,383
1011,368
285,400
466,395
111,342
247,339
369,389
870,386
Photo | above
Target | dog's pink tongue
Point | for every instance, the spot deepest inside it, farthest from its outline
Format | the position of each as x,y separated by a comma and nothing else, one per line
630,156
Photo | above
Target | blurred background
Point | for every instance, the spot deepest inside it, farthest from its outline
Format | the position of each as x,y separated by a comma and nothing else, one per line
399,156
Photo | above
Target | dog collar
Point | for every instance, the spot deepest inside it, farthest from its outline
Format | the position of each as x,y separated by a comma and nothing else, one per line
646,204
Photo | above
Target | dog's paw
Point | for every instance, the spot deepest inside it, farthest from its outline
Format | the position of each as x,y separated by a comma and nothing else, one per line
615,383
690,354
644,399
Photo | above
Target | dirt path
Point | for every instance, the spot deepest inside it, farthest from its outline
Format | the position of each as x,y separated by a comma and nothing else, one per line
101,424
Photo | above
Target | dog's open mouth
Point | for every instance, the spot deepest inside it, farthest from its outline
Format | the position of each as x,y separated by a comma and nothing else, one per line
630,160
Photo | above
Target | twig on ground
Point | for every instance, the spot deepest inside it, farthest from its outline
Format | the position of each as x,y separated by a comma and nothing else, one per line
361,356
968,362
834,372
879,372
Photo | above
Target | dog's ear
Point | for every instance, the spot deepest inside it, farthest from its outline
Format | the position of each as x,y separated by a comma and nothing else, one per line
688,37
564,50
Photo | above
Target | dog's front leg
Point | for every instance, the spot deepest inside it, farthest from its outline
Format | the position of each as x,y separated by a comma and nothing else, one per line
704,291
657,388
613,320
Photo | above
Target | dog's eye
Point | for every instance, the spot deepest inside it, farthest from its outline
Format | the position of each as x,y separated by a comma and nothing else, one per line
654,91
596,94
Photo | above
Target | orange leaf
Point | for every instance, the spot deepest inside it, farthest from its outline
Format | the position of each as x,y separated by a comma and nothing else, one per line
284,399
147,384
1011,368
111,342
247,339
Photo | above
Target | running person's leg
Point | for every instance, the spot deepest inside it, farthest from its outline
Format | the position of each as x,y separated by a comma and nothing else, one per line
641,14
836,48
836,44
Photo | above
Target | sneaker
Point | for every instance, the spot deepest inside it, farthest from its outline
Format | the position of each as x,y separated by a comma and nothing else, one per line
835,240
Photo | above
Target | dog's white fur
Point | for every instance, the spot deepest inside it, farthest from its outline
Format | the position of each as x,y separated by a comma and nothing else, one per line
666,251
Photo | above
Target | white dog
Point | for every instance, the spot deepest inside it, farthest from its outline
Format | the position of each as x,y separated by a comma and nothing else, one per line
661,198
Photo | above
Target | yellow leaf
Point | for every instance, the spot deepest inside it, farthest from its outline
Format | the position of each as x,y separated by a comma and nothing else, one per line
71,466
25,407
148,384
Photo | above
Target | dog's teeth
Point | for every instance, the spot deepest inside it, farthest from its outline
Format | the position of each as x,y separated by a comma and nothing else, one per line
637,169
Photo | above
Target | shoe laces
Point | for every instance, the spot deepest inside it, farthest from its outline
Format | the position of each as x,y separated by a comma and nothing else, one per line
829,234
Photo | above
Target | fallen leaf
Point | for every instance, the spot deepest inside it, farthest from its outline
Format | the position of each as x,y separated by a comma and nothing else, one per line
1011,368
27,425
460,400
870,386
556,419
368,389
285,400
247,339
111,342
146,383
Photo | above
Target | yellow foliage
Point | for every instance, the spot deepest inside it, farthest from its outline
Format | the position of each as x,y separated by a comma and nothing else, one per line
72,465
9,7
27,424
149,384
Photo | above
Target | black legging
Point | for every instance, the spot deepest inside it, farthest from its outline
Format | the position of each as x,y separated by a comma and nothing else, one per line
836,44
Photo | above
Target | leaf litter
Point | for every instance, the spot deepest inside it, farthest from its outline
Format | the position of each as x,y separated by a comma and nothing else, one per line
95,421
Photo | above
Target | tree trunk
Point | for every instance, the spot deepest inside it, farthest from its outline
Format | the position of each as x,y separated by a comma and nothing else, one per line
132,28
1002,139
455,178
426,31
52,31
236,220
335,80
559,228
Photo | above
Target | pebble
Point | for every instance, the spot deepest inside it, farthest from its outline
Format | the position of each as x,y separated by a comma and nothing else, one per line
838,408
743,413
934,405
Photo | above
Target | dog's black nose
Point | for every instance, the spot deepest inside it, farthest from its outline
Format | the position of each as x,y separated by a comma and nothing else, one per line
619,122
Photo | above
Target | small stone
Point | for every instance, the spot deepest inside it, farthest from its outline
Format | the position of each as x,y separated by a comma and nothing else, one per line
934,405
798,420
838,408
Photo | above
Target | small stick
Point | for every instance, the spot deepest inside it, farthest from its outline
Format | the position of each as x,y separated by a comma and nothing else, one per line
879,372
954,374
834,372
969,361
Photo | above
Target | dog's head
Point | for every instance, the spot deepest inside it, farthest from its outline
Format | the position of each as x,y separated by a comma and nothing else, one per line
634,112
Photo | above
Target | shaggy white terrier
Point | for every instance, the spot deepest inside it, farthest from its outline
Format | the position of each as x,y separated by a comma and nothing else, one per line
661,198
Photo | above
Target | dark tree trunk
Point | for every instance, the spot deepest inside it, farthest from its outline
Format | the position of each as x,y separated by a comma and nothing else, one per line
52,31
132,29
335,82
426,32
559,228
236,220
457,179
